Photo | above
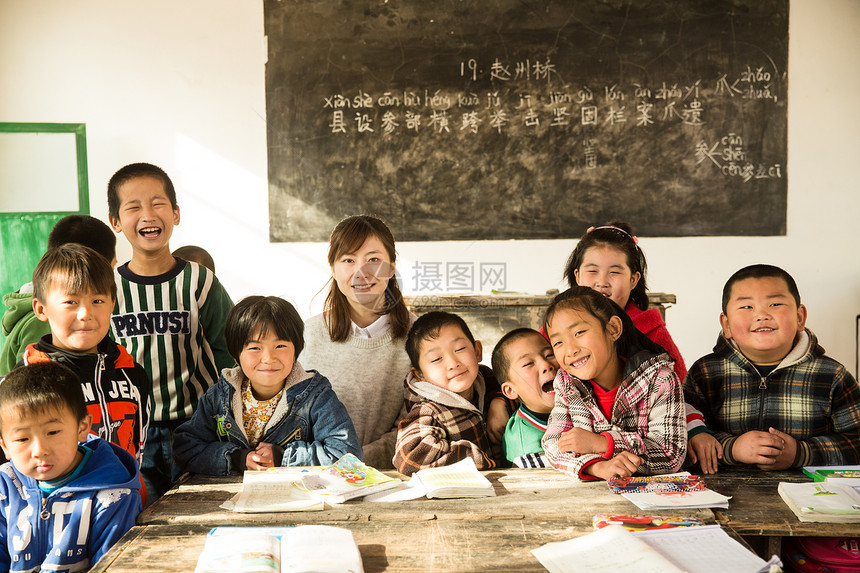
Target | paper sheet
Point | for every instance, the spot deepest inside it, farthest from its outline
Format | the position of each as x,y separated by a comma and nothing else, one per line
705,549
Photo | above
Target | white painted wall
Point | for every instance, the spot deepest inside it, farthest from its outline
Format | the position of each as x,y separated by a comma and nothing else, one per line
181,85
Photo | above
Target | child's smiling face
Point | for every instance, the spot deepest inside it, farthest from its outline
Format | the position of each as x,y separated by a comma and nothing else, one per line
584,348
146,215
450,360
763,319
606,270
79,321
267,361
531,373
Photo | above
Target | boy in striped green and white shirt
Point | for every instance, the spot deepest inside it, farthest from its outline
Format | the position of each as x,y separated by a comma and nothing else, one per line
169,313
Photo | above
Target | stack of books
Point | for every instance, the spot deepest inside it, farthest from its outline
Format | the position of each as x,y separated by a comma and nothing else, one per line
673,491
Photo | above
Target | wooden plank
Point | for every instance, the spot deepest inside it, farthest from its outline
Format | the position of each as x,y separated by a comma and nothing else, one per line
415,547
756,509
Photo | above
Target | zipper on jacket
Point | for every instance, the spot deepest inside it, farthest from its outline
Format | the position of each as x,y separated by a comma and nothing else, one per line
106,431
45,514
762,386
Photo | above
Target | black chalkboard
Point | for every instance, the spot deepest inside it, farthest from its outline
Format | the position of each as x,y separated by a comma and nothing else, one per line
503,119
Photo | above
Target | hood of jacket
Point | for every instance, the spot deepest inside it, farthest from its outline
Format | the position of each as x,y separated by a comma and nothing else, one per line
805,347
19,305
416,391
234,377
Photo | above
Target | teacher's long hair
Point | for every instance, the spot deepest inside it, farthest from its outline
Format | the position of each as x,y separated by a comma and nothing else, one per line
347,237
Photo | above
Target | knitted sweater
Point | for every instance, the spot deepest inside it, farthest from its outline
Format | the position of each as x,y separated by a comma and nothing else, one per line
173,326
367,375
650,323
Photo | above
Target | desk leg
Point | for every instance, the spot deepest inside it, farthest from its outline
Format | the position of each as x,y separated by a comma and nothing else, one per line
774,546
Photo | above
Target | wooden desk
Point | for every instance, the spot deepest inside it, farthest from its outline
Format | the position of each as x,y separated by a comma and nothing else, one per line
531,508
757,510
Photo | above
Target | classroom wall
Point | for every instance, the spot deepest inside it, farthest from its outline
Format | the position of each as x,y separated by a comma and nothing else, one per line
181,84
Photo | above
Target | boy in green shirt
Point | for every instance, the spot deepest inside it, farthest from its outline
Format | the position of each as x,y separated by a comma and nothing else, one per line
525,366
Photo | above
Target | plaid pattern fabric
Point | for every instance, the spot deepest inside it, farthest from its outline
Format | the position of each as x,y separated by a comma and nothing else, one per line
437,434
809,396
647,418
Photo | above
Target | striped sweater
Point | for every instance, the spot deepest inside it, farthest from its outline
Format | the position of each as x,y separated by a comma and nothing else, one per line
173,326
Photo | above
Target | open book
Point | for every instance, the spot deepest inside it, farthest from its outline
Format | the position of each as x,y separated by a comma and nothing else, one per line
274,489
828,501
307,548
704,549
461,479
347,478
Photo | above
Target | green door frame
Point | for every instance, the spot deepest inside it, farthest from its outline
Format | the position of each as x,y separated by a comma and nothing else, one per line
24,235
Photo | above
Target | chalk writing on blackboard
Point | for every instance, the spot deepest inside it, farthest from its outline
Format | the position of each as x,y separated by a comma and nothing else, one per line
439,112
527,119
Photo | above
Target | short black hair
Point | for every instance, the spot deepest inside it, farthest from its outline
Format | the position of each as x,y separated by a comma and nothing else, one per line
77,268
84,230
256,315
133,171
41,387
196,254
427,327
500,360
759,271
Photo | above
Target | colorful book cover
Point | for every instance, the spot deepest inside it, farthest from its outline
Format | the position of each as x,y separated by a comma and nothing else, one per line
644,522
823,475
656,484
347,478
810,471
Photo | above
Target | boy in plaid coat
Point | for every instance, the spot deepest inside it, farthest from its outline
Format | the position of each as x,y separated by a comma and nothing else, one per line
768,394
447,397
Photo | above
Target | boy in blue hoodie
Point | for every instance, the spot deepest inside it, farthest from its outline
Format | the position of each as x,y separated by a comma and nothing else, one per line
63,503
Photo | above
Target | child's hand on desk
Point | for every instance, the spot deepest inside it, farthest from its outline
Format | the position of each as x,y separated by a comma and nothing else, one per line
761,448
622,465
784,460
582,441
497,419
261,458
706,450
